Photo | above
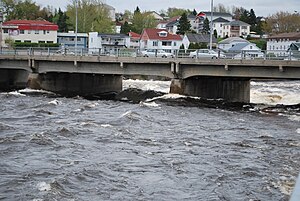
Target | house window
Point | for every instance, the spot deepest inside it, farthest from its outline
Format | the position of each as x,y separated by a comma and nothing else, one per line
5,30
244,27
49,41
21,31
163,34
48,31
27,41
17,41
175,44
29,31
166,43
250,47
36,32
41,41
44,32
155,43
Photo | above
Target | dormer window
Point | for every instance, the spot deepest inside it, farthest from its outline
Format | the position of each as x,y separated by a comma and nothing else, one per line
163,34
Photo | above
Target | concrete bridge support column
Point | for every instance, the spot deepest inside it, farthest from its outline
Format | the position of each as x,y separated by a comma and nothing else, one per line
82,84
13,79
229,89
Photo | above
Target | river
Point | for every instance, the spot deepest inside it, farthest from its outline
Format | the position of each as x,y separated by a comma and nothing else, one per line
164,148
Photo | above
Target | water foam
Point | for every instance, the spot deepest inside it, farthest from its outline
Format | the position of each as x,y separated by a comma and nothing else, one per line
43,186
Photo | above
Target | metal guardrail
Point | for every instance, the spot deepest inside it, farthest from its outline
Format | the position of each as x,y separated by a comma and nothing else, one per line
127,52
296,192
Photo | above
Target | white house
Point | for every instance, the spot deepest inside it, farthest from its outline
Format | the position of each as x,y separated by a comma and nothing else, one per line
228,43
279,44
107,43
160,39
199,20
246,50
218,25
31,31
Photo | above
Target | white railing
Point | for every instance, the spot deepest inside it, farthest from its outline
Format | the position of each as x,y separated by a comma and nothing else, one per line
128,52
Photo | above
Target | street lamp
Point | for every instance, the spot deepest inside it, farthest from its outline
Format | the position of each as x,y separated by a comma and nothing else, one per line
211,24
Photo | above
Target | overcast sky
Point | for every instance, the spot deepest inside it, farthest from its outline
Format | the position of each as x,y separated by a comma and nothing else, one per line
261,7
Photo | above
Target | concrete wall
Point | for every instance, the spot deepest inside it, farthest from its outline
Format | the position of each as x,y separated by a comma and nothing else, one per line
72,84
13,79
229,89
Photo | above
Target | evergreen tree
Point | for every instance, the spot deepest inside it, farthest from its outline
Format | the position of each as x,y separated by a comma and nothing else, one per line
194,12
206,26
125,28
184,25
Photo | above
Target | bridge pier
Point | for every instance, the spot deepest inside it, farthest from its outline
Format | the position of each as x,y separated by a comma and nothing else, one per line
82,84
13,79
229,89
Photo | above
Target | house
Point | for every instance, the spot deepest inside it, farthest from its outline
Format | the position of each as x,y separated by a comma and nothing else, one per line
31,31
160,39
280,43
111,11
68,40
199,21
107,43
155,15
171,25
191,38
134,40
236,29
294,50
118,27
228,43
218,26
245,50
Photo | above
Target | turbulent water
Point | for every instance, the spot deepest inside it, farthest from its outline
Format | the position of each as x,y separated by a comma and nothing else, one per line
164,148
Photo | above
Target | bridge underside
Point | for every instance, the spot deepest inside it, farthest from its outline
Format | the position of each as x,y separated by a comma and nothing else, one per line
82,84
229,89
13,79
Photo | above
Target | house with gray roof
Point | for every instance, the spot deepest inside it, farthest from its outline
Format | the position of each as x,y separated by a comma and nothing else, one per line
218,25
236,29
228,43
245,50
191,38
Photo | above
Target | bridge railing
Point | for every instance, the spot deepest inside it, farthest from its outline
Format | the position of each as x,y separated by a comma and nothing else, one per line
163,53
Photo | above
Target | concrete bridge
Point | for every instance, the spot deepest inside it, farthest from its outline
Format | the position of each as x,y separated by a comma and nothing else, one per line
85,75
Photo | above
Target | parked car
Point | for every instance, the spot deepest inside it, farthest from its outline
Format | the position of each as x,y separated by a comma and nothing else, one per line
157,53
206,53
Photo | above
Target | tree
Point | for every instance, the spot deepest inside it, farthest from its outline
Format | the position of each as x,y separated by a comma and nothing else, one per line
173,12
282,22
61,20
206,26
141,21
125,28
194,12
93,15
221,8
184,25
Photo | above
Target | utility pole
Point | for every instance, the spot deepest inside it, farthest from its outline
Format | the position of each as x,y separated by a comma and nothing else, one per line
1,20
211,24
76,30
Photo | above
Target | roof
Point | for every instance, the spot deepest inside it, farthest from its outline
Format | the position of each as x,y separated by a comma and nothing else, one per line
32,24
238,47
295,46
215,14
220,20
233,39
113,35
134,35
292,35
200,38
238,23
72,34
152,34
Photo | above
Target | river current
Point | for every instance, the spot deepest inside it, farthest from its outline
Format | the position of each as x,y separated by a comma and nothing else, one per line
164,148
